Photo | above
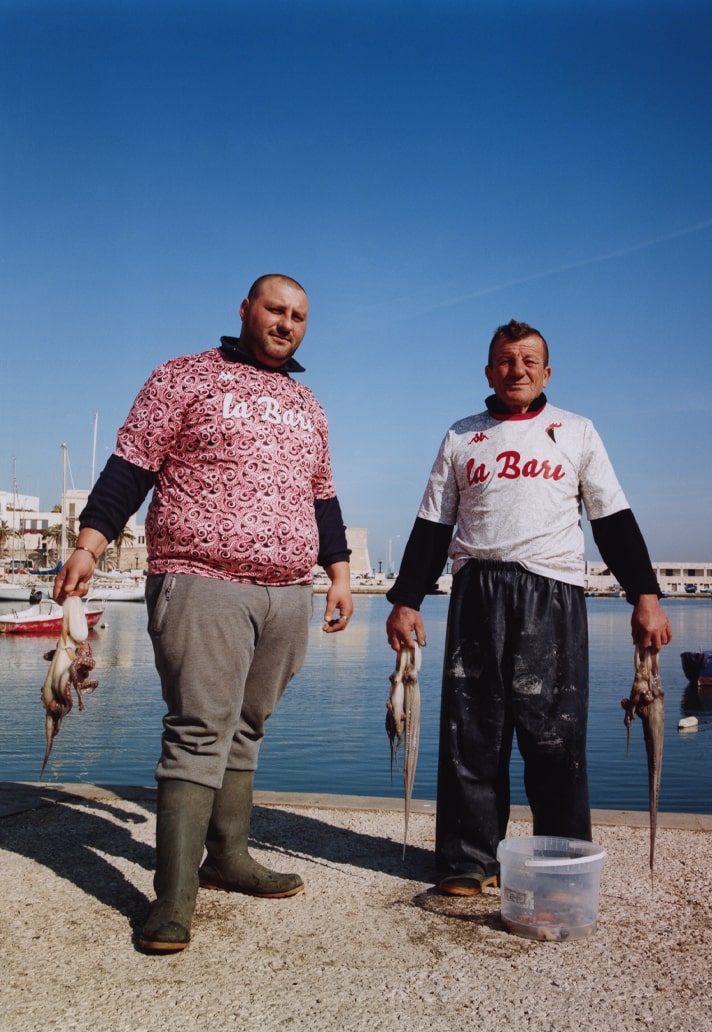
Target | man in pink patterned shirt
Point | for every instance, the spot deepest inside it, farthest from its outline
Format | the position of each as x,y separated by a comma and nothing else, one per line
243,507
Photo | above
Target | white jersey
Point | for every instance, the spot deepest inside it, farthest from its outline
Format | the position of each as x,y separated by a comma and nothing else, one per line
512,486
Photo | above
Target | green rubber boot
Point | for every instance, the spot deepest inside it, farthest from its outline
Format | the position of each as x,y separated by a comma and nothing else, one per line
181,824
228,866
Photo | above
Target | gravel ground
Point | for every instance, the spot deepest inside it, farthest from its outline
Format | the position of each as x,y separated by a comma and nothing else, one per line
369,945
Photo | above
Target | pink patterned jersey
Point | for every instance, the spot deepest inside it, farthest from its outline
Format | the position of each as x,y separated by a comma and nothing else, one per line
240,455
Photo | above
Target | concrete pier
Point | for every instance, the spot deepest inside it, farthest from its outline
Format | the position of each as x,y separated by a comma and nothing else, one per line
369,945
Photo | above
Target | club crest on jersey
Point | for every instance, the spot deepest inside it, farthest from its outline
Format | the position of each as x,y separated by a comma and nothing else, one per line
550,430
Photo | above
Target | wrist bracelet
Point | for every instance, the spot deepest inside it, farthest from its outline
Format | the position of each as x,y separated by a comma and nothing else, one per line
83,548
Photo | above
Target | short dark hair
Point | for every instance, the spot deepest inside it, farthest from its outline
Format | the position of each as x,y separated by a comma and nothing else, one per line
513,331
256,287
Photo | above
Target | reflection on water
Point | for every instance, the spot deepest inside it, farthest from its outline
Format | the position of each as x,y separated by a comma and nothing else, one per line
328,733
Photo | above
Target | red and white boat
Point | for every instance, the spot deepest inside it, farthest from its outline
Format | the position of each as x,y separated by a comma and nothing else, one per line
44,618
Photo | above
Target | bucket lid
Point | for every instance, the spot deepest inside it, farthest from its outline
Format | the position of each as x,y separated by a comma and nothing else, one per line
564,861
550,851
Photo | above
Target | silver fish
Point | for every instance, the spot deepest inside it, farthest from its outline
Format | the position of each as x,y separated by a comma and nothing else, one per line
403,720
646,701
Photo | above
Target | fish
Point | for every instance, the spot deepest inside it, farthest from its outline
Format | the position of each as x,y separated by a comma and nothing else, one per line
403,721
646,701
70,662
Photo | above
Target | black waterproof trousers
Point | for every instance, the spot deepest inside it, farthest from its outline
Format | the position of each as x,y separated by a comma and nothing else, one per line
516,660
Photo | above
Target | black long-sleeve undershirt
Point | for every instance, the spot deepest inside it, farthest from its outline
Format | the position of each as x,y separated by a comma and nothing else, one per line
618,539
424,557
623,550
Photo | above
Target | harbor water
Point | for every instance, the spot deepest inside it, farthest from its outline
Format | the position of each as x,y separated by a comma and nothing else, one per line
328,733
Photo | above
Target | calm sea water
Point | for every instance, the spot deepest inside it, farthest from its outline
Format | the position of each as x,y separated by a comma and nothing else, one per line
328,732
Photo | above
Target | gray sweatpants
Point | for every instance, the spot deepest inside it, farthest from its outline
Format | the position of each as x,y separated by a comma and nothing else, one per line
225,653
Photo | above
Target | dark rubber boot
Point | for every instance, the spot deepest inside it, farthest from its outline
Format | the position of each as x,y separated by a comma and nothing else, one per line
181,824
228,865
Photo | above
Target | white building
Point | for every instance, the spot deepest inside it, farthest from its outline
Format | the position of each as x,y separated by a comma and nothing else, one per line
22,514
674,578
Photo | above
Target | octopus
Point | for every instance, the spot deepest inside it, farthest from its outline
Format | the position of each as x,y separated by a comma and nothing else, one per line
70,664
646,701
403,720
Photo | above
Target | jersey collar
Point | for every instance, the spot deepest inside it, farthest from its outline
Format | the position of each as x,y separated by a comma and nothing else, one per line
231,350
497,410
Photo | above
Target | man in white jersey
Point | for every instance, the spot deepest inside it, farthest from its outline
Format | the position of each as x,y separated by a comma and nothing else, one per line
504,503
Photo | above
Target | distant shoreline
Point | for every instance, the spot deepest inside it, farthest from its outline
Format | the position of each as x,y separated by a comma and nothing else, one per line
321,586
359,587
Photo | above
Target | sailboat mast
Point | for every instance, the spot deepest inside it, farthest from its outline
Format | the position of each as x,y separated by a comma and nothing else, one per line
63,546
93,451
14,514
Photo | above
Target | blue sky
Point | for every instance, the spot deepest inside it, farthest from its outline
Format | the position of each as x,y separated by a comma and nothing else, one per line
428,170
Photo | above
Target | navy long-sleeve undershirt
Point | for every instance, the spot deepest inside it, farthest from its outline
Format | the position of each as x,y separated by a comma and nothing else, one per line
122,488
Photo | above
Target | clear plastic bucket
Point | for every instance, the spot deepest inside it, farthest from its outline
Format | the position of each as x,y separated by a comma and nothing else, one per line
550,886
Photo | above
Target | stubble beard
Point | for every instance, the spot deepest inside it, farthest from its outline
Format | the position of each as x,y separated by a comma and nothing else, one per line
271,346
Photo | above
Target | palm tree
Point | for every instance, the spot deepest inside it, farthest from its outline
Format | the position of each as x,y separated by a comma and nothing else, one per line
53,534
6,532
124,537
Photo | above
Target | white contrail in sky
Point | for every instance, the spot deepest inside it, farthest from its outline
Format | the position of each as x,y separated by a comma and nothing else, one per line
640,246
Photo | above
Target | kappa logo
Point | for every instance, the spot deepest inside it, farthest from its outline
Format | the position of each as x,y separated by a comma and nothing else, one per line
479,437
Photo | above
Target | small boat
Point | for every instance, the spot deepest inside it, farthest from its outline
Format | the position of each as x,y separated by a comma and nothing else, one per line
44,618
117,588
117,594
22,592
697,668
704,678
